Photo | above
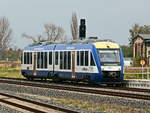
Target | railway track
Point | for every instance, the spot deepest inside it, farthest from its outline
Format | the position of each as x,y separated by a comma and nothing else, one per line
81,85
26,105
119,92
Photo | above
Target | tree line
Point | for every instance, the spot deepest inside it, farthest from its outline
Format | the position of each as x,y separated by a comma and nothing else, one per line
52,33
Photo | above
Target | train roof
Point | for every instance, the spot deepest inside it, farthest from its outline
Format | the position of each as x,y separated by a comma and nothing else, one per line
60,47
106,44
75,44
40,47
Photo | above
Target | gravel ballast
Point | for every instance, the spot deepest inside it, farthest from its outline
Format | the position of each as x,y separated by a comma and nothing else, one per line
75,95
4,109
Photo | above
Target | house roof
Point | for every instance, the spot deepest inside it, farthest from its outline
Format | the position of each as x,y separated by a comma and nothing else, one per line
145,36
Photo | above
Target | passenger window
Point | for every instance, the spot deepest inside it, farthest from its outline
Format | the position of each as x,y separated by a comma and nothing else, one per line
21,58
56,58
78,58
69,60
42,61
24,57
50,58
61,60
65,60
86,58
92,60
45,60
30,61
82,58
28,58
38,60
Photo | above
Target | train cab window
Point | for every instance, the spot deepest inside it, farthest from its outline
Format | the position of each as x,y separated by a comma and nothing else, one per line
56,58
92,60
50,58
86,58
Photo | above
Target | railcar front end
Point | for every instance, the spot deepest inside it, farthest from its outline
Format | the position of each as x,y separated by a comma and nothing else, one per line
111,61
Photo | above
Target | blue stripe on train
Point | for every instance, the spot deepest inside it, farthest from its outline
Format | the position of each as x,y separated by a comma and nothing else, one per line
64,75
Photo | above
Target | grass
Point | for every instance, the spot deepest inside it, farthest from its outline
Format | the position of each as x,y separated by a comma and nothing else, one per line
15,73
98,107
10,72
136,76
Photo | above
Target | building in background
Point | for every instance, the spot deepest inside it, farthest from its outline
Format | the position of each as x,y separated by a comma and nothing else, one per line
141,46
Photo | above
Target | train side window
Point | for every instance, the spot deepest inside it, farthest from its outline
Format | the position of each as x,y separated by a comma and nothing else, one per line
61,60
45,60
86,58
42,61
50,58
24,57
30,58
69,60
65,60
21,58
78,58
38,60
82,58
56,58
92,60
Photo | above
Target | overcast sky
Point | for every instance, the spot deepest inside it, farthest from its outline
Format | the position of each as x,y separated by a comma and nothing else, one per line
104,18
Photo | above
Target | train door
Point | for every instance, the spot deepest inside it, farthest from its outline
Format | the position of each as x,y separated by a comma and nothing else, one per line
34,63
73,64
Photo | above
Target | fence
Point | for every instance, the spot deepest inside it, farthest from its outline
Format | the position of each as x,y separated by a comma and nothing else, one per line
139,72
11,64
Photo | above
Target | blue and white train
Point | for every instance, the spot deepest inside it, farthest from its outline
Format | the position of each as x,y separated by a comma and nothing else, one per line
96,62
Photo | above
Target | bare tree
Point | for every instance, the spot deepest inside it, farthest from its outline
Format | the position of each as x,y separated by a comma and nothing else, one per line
54,33
36,39
5,35
137,29
74,26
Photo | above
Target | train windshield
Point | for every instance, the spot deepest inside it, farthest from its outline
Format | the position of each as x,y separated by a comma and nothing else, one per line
109,56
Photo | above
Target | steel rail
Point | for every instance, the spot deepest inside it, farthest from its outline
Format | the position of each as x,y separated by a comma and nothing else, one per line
33,102
84,90
82,85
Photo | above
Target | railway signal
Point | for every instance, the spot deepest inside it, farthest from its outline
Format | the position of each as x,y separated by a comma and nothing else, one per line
82,29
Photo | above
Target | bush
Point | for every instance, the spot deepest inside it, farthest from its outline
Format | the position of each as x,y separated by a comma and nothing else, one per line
136,61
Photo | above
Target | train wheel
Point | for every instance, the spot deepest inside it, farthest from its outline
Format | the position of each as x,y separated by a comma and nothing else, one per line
56,78
110,85
31,78
28,78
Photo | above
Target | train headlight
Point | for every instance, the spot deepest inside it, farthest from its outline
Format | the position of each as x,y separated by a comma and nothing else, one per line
112,74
